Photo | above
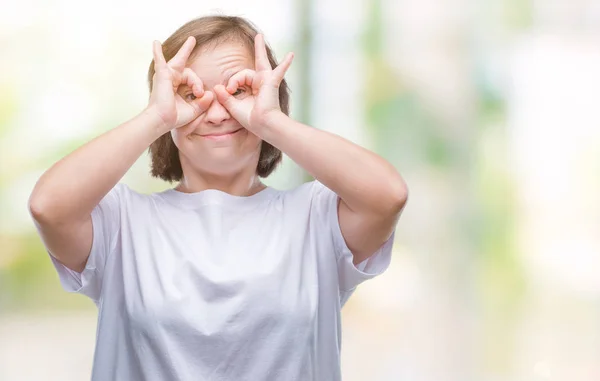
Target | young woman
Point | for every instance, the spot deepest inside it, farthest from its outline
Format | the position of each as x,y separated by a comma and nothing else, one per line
222,277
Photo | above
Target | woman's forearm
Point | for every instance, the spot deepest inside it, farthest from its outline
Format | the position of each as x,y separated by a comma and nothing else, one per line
72,187
363,180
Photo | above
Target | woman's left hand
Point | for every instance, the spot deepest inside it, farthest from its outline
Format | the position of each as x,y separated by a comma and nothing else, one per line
252,96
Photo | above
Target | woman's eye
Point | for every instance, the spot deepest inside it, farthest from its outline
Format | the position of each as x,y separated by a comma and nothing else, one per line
239,91
190,97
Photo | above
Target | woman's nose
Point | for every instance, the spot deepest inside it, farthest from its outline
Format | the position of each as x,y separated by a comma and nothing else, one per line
216,113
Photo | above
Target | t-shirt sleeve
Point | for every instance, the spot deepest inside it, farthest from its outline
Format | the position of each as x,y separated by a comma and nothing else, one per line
106,225
325,201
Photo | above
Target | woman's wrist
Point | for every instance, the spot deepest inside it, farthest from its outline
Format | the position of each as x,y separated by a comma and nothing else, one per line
152,121
271,125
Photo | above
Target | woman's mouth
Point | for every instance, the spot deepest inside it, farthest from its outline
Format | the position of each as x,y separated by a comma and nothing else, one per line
221,135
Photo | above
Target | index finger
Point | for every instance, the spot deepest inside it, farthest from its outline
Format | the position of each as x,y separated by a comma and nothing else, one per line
242,78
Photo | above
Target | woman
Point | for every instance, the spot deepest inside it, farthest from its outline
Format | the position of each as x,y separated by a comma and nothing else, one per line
222,277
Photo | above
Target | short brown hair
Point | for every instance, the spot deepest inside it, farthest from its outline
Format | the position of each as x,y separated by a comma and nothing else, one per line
212,29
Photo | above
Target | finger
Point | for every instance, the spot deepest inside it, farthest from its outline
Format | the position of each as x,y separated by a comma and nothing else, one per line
159,58
234,106
179,60
240,79
203,103
223,96
194,82
192,110
283,67
261,60
176,78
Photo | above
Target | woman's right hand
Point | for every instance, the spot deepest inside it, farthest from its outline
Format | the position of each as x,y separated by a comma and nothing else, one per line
165,101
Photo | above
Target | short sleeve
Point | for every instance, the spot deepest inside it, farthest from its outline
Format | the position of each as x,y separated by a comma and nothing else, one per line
325,201
105,225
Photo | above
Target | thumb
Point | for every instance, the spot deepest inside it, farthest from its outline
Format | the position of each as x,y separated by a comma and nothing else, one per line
225,98
237,108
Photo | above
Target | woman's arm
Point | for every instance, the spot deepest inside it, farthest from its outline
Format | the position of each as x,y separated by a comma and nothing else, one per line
372,192
64,197
72,187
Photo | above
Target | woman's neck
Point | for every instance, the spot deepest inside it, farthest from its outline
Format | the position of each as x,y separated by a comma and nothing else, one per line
236,185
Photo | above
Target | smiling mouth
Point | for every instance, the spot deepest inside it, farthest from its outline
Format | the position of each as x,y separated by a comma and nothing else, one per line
220,136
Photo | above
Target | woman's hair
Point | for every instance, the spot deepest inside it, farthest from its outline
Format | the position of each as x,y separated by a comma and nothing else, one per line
212,29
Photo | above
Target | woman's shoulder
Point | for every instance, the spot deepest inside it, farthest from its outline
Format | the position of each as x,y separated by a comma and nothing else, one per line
308,192
307,189
304,190
123,192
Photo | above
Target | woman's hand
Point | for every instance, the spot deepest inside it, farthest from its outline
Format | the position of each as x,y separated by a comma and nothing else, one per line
165,102
252,96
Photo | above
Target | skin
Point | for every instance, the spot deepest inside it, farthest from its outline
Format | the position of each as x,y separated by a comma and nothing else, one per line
219,90
211,158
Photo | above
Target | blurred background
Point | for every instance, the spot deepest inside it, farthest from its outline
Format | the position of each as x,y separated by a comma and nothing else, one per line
488,108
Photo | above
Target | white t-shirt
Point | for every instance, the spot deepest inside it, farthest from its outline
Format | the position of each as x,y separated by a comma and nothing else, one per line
211,286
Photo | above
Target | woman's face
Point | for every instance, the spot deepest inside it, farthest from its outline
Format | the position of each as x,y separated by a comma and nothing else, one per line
214,142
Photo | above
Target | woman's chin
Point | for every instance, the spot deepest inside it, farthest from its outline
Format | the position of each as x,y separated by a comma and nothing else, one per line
222,160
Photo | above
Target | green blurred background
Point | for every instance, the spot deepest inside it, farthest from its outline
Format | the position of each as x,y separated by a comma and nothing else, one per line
488,109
